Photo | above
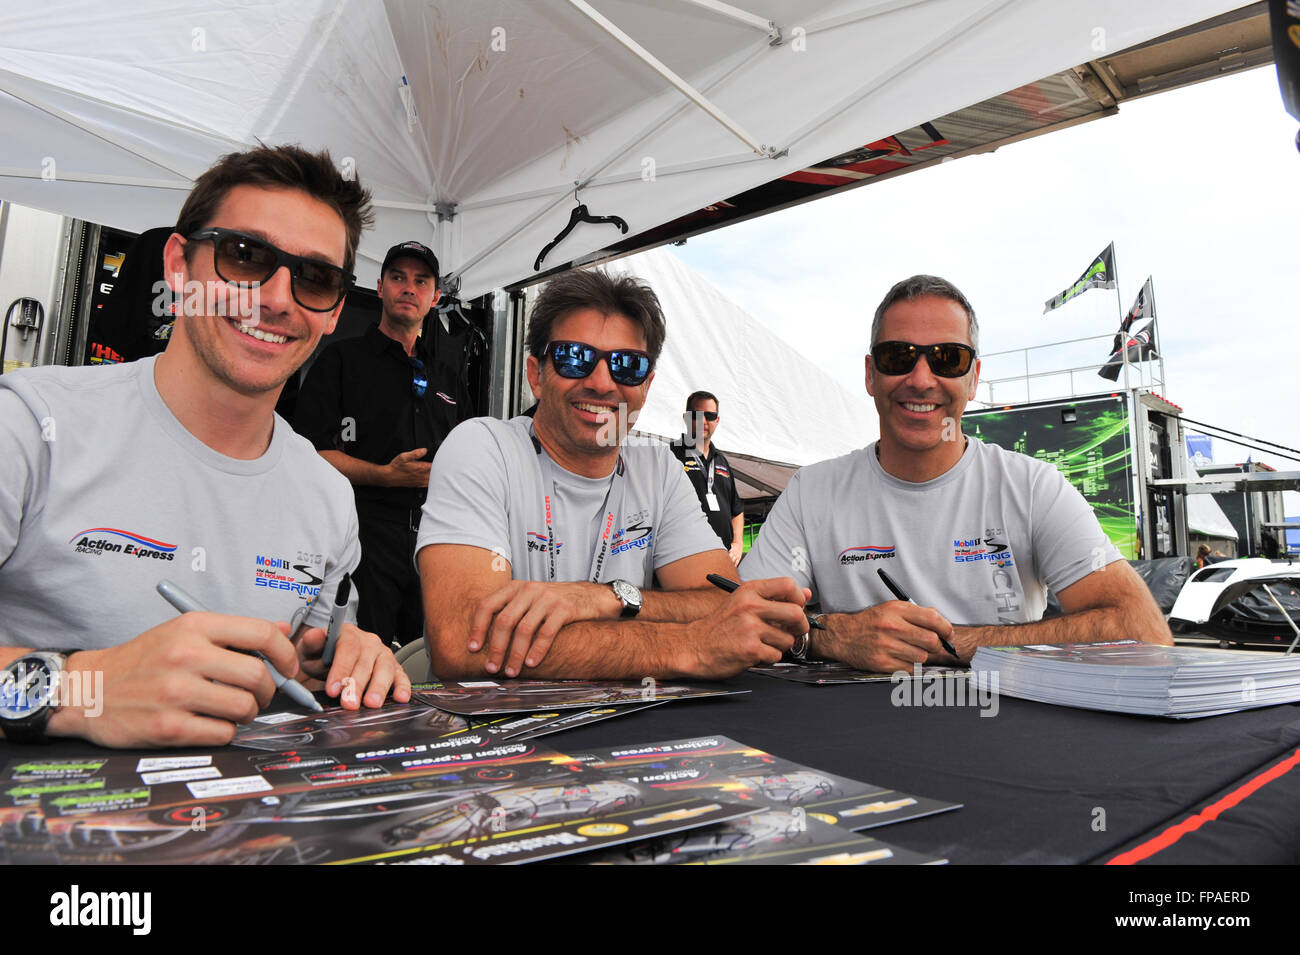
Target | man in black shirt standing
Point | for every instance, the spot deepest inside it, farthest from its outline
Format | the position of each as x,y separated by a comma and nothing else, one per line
377,408
710,473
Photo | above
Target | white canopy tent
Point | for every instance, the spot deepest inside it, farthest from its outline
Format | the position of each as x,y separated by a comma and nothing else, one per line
775,404
1206,517
474,120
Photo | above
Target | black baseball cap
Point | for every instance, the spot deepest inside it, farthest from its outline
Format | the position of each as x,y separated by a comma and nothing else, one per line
412,250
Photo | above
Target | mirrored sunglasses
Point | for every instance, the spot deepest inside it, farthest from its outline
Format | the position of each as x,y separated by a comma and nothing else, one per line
627,366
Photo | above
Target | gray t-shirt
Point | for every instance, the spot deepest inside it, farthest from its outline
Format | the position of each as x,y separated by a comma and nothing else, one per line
489,485
980,543
103,493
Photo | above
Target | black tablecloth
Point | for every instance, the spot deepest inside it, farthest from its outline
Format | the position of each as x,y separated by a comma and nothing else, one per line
1039,783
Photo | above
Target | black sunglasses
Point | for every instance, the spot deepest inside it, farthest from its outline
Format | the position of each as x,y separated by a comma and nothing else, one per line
706,415
247,260
627,366
946,359
419,380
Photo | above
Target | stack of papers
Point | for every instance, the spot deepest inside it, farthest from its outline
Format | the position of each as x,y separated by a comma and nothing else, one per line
1132,677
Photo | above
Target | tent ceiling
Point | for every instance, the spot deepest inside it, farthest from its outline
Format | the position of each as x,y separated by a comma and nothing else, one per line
472,120
1230,42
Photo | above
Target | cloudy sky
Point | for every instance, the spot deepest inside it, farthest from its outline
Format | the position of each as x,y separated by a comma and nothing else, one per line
1199,188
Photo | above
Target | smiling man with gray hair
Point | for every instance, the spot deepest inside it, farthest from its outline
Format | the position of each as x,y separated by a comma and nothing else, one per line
973,533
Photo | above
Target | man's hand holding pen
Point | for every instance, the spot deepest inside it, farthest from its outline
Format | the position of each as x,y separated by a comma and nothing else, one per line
887,637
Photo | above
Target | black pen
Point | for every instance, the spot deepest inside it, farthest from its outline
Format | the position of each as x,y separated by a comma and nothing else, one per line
897,591
724,583
336,619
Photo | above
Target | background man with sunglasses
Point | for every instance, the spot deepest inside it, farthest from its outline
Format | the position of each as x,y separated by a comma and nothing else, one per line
176,467
542,537
710,473
378,407
971,532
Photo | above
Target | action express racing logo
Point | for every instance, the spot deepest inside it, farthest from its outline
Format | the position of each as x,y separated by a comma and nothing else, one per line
856,555
540,543
110,540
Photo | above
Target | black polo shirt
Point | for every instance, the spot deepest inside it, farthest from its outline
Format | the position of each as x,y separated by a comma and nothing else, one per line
370,380
724,485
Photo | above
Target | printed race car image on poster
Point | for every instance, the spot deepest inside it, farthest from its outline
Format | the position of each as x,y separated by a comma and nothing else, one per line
735,771
773,837
529,804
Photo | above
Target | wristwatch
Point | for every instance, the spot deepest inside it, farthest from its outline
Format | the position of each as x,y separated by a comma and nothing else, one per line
29,695
628,596
798,653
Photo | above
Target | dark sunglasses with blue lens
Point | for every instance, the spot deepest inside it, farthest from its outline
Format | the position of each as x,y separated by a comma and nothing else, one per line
419,380
627,366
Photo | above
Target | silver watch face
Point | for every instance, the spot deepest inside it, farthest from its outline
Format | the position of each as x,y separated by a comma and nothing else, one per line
626,593
26,686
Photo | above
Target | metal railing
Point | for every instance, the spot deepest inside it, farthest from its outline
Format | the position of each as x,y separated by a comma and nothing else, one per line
1142,374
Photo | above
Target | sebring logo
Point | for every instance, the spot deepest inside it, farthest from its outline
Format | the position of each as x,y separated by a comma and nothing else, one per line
110,540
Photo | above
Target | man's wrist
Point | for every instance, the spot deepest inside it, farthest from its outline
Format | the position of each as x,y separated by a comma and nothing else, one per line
608,606
69,720
826,644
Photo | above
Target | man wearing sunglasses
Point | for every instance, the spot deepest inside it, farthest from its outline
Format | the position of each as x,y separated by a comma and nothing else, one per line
710,473
542,537
176,468
971,532
378,407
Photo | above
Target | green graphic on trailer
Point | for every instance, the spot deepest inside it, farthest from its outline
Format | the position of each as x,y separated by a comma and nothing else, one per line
1092,452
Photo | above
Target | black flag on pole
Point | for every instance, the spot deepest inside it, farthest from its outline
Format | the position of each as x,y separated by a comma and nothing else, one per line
1143,307
1101,274
1140,348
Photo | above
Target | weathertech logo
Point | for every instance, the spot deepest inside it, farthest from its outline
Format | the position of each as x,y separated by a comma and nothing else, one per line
855,555
109,540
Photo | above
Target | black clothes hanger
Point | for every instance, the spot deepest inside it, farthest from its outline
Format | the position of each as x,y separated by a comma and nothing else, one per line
578,214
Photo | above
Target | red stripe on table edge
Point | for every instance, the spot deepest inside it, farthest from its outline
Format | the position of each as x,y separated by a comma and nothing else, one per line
1208,814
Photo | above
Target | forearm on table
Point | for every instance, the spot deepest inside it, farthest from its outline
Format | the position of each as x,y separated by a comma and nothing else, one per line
589,649
1084,626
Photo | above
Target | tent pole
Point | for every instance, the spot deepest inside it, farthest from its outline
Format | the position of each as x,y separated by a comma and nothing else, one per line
686,89
915,58
742,16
